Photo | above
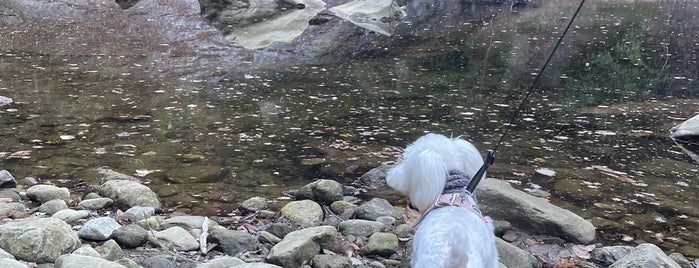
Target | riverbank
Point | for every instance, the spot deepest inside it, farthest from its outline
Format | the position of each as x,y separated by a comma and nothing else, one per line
121,223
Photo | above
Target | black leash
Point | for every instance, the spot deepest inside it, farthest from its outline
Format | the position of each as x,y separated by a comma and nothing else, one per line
490,157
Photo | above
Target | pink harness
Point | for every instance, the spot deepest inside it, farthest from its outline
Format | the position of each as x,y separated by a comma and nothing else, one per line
456,200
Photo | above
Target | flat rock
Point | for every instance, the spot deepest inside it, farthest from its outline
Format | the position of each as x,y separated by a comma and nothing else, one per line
98,229
301,245
377,207
499,200
52,206
192,222
177,237
95,203
38,240
42,193
70,215
129,194
360,227
381,244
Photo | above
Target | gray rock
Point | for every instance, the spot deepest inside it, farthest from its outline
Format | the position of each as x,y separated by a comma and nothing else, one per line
686,135
303,212
129,263
321,191
254,204
331,261
360,227
158,262
95,203
343,208
233,243
386,220
42,193
11,193
221,262
191,222
52,206
70,215
512,256
377,207
606,256
7,180
404,231
681,260
499,200
129,194
374,178
268,237
98,229
257,265
130,236
14,210
280,229
137,213
381,244
301,245
152,223
110,250
645,256
107,174
10,263
178,238
5,254
38,240
87,250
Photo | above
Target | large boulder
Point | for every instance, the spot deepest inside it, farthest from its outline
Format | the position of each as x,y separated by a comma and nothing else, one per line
499,200
301,245
127,194
38,240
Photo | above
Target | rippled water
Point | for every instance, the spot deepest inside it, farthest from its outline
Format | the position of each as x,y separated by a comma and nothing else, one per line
599,120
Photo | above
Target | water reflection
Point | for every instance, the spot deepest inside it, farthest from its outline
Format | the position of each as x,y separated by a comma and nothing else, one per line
600,120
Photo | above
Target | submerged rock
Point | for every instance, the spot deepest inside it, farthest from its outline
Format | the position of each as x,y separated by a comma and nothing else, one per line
686,135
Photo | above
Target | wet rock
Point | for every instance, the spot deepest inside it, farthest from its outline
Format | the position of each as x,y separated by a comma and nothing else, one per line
512,256
304,212
376,177
377,207
301,245
158,262
645,256
681,260
87,250
331,261
130,236
38,240
98,229
321,191
14,210
233,243
107,174
222,262
7,180
255,204
136,213
110,250
10,263
70,215
191,222
128,194
198,174
42,193
75,260
381,244
606,256
96,203
178,238
686,135
360,227
53,206
499,200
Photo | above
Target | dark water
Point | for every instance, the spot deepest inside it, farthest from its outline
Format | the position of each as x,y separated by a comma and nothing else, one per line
599,119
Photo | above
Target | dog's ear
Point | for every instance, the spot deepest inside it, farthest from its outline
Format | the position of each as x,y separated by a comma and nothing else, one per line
424,178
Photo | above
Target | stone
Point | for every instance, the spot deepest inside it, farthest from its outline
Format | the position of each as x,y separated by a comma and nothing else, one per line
106,174
191,222
11,193
301,245
52,206
14,209
645,256
233,243
7,180
512,256
110,250
95,203
178,238
136,213
11,263
606,256
268,237
360,227
127,194
5,254
42,193
280,229
255,204
70,215
343,208
128,263
681,260
374,178
221,262
499,200
381,244
404,232
98,229
331,261
38,240
158,262
321,191
130,236
377,207
303,212
686,134
87,250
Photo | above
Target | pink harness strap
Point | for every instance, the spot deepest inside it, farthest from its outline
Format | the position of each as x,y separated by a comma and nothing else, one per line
456,200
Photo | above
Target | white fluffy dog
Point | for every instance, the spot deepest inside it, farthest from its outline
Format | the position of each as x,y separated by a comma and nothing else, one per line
434,174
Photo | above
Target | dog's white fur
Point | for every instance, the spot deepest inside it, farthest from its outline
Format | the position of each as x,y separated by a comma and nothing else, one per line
448,236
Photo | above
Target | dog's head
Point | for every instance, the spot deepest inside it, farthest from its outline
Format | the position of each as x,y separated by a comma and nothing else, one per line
426,163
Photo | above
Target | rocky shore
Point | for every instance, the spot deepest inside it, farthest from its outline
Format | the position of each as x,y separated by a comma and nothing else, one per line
120,223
